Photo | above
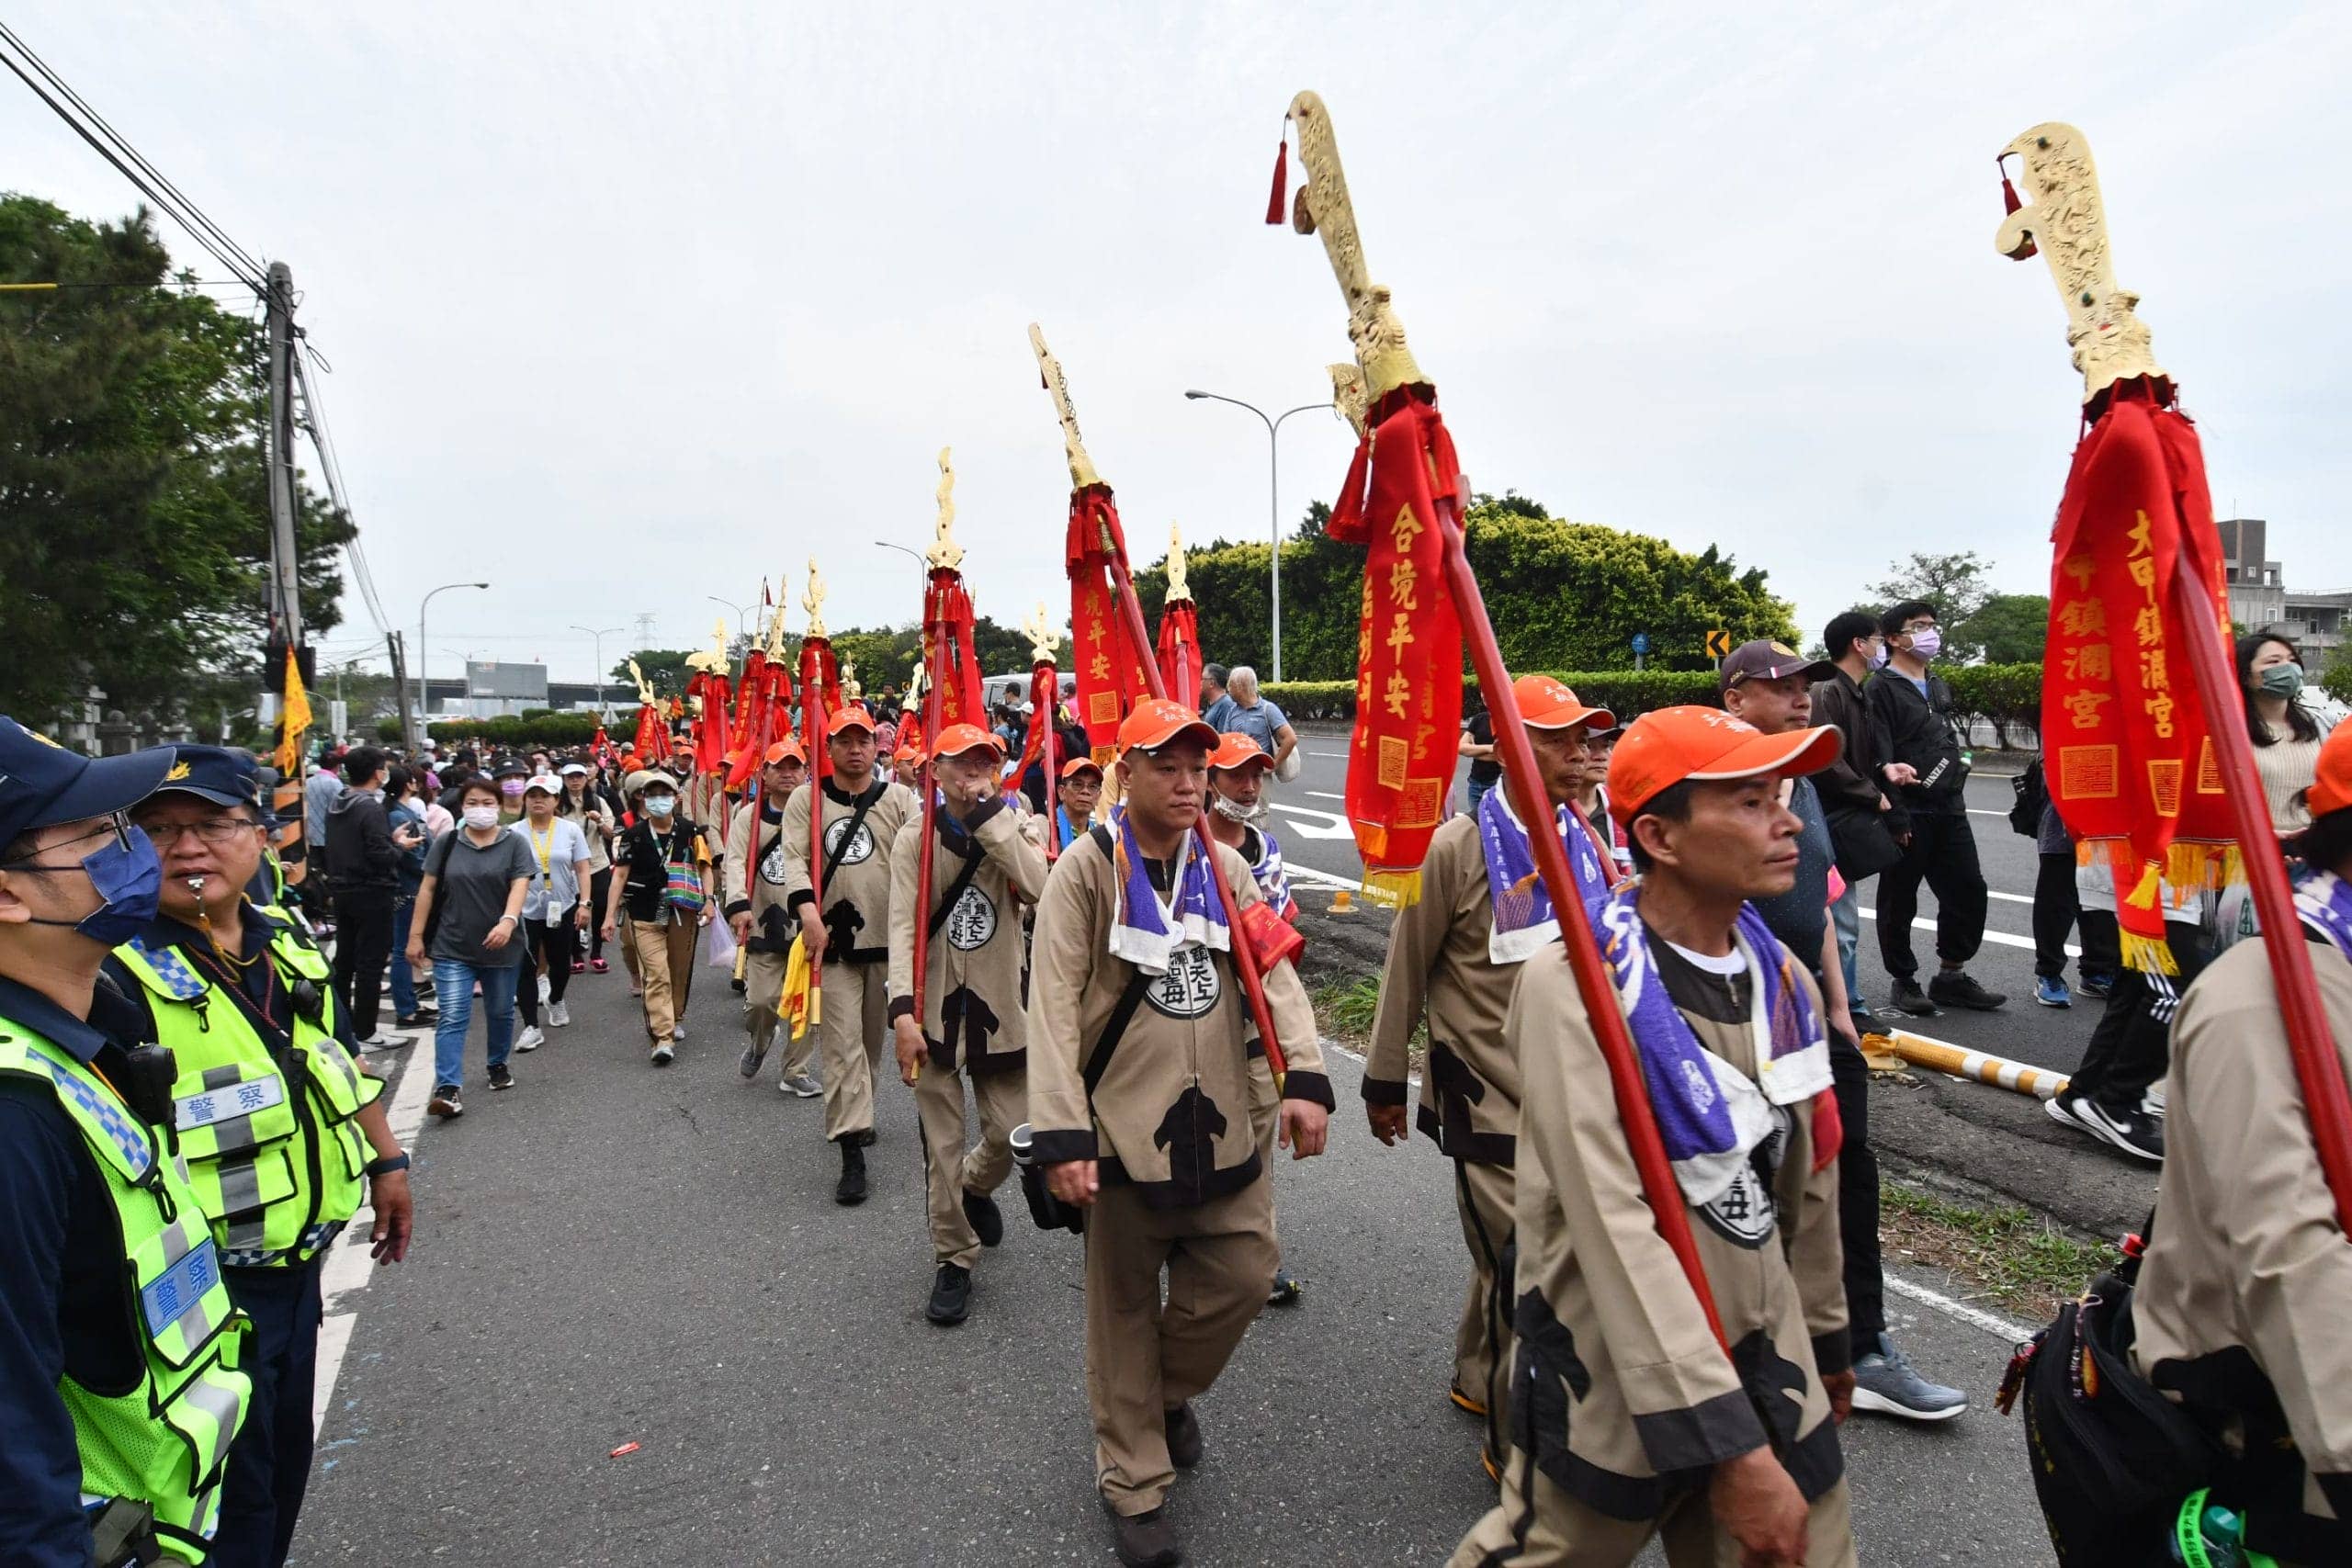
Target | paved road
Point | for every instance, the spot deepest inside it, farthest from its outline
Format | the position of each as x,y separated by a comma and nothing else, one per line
1986,1138
609,1255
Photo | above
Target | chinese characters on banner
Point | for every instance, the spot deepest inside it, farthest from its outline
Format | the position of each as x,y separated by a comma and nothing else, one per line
1109,668
2130,752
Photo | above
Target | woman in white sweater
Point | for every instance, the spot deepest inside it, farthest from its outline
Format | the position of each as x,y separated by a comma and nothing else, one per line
2285,736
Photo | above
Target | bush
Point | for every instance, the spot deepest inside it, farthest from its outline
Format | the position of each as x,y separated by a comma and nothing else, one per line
2006,696
545,730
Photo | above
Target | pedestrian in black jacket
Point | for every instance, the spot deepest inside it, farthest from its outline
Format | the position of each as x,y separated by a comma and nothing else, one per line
364,868
1856,789
1910,711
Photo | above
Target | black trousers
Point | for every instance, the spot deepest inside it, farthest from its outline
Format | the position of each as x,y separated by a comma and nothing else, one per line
1858,1196
600,887
2055,908
269,1462
363,946
553,945
2131,1044
2102,944
1942,853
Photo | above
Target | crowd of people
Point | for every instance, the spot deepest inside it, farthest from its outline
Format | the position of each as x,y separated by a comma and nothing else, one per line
190,1035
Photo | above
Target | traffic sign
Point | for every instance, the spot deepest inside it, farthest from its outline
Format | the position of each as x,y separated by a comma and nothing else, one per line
1641,642
1719,644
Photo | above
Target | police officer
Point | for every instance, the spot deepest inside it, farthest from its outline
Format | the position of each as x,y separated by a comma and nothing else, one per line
119,1346
278,1123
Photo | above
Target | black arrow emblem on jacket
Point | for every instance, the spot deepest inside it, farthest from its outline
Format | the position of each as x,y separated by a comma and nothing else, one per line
1189,1132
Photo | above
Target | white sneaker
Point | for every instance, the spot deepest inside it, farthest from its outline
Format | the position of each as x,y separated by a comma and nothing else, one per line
677,1031
543,989
531,1039
559,1015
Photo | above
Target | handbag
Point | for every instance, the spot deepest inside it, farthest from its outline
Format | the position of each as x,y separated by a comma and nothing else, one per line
2032,797
1860,844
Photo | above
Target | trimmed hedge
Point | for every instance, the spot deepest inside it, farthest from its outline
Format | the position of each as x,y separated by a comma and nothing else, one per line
544,729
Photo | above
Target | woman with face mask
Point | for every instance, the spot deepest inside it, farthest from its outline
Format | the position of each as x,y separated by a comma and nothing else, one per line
475,880
2285,736
583,802
664,888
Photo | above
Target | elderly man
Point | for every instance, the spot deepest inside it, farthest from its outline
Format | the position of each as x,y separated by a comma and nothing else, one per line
1246,713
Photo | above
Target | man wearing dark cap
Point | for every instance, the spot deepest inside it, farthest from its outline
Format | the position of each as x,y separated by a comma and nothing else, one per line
1770,685
119,1390
283,1134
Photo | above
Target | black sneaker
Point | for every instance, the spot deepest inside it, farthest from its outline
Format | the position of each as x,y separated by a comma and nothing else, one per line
1183,1437
446,1102
1909,999
500,1077
2102,986
988,1220
851,1189
951,1295
1288,1289
1144,1541
2134,1131
1957,988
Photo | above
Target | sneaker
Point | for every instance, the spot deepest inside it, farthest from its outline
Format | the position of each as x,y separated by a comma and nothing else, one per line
662,1052
531,1039
748,1064
1144,1541
2152,1102
559,1015
375,1042
802,1085
1183,1437
1954,988
600,966
1909,999
677,1031
542,984
1885,1381
1463,1401
951,1295
502,1077
2100,985
988,1220
1288,1289
2051,992
635,989
446,1102
2134,1131
851,1190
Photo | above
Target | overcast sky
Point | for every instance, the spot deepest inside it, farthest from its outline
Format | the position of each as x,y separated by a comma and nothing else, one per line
631,304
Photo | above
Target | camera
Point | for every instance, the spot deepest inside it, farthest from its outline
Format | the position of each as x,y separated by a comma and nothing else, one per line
1051,1213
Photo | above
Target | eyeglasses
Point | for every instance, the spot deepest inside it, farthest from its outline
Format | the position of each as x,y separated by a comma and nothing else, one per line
214,831
117,824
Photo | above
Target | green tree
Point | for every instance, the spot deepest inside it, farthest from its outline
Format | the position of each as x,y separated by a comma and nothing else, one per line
2010,628
664,669
134,530
1954,584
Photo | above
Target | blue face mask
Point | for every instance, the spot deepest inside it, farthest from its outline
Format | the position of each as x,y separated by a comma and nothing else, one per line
129,877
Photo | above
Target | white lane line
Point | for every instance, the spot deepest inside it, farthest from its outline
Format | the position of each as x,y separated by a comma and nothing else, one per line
2008,898
350,1268
1324,794
1329,878
1975,1317
1980,811
1330,756
2002,937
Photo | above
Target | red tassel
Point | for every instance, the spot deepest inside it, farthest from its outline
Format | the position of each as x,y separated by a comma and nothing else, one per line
2009,203
1275,204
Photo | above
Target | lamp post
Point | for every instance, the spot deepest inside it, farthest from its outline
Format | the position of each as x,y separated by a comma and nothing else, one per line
600,634
423,691
921,565
1273,496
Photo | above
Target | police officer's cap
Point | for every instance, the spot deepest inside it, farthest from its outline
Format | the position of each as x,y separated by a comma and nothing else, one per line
42,784
225,775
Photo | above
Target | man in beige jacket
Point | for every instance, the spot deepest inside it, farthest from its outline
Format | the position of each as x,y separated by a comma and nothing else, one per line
1143,1065
753,898
1628,1420
984,867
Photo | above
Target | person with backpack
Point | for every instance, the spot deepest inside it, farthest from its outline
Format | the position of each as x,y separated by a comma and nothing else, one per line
662,879
469,920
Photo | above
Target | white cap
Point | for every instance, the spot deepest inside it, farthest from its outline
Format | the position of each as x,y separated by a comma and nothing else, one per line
547,782
570,768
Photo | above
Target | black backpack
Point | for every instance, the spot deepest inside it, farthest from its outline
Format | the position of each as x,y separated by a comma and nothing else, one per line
2033,792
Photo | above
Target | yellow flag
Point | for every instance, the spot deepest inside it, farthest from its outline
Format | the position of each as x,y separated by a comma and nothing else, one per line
797,1006
296,712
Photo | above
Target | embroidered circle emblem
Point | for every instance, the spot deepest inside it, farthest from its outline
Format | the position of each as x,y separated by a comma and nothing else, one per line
1190,989
972,922
771,868
861,849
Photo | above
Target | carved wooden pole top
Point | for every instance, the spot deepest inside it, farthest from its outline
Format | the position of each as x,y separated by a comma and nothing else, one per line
1322,207
813,601
1081,466
1040,632
945,554
2066,223
1177,588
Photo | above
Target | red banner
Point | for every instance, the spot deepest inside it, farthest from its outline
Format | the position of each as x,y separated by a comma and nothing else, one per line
710,723
1180,651
749,697
653,735
1045,698
947,611
2131,760
1409,644
820,698
1109,668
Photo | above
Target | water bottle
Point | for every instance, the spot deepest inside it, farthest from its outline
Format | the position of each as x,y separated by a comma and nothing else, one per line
2207,1534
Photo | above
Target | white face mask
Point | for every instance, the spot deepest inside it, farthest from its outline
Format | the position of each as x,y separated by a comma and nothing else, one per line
660,805
479,817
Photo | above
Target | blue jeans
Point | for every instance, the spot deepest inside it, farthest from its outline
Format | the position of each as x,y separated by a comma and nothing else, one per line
403,977
1476,789
453,983
1846,914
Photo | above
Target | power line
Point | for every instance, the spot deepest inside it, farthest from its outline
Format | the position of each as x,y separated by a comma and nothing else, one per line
331,468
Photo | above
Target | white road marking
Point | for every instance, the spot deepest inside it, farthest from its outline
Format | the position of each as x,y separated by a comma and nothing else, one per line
1329,878
1324,794
350,1268
1975,1317
2002,937
1310,823
1330,756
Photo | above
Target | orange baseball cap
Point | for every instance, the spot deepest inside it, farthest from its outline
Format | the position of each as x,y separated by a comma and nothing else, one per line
1157,721
1545,704
1235,750
1663,747
850,718
958,739
784,748
1081,766
2331,790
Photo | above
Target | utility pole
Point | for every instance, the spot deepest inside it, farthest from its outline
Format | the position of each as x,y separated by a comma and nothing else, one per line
285,563
644,619
409,733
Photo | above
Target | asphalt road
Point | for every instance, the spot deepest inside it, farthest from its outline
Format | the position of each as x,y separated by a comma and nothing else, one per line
609,1255
1983,1137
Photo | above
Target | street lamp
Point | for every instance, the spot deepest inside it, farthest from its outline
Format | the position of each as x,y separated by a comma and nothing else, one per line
1273,496
424,691
743,615
600,634
922,564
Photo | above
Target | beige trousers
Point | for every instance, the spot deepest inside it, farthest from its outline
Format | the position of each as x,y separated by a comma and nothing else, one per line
949,1167
1555,1530
665,962
1144,1358
850,1033
1482,1198
762,988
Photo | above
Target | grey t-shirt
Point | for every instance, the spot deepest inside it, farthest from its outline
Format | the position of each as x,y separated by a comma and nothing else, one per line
1259,722
471,896
1801,916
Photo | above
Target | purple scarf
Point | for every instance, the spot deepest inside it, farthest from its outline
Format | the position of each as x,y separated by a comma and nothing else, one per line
1145,931
1522,905
2324,902
1709,1113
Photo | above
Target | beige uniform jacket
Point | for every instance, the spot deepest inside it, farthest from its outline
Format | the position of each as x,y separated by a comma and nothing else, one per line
972,1000
1170,1112
772,928
1438,965
858,893
2244,1305
1619,1392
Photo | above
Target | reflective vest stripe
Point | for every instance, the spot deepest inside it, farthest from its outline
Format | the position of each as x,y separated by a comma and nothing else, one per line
221,1076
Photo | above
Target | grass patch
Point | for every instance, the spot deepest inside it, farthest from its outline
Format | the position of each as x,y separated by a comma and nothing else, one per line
2014,1258
1344,1011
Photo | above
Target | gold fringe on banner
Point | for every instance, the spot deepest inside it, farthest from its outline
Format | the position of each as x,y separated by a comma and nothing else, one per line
1392,889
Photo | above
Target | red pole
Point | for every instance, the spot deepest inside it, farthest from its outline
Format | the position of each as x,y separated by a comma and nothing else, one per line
1047,711
1593,982
812,727
2309,1039
935,633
